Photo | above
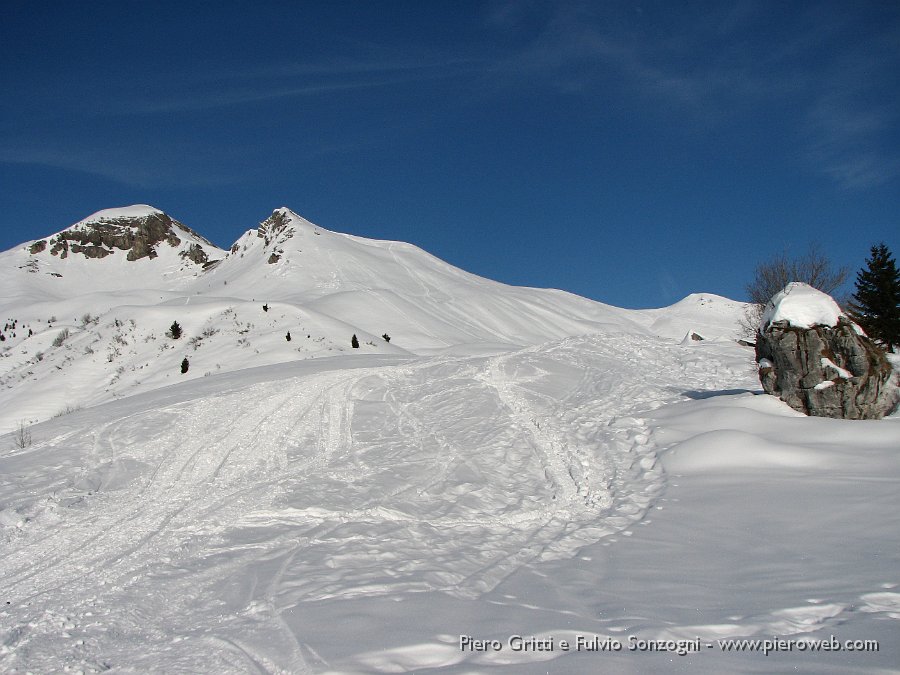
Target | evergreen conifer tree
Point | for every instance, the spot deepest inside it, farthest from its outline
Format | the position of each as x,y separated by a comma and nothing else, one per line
175,330
354,342
185,364
288,336
876,303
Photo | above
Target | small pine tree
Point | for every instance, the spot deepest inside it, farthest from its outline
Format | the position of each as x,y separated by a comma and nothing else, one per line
175,330
185,364
354,342
288,336
876,303
387,338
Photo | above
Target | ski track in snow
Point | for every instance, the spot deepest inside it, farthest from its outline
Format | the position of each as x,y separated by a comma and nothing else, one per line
441,474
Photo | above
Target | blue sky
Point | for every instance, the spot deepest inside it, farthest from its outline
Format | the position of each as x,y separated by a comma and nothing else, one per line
631,152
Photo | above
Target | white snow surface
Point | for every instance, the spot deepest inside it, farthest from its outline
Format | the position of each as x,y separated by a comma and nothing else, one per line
133,211
802,306
324,288
522,463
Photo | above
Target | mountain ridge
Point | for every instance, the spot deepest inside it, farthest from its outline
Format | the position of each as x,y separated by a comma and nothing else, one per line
83,330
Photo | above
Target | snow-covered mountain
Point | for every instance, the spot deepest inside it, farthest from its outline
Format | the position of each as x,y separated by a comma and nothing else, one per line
86,310
93,255
515,470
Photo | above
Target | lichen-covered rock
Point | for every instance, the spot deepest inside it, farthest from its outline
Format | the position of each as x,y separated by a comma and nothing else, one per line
826,371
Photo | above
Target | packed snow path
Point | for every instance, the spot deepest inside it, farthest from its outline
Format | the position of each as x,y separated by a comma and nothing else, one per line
189,526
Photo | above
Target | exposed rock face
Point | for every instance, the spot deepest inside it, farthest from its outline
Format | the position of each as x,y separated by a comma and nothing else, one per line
825,371
275,231
276,228
195,253
91,251
139,235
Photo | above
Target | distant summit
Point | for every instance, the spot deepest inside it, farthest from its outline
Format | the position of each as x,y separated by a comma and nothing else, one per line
123,212
139,231
275,231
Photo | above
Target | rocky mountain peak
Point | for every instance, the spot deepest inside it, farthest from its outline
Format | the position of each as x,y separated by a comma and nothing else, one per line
138,230
278,228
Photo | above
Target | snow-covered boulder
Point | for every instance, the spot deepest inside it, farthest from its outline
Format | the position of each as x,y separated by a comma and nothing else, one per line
801,306
813,357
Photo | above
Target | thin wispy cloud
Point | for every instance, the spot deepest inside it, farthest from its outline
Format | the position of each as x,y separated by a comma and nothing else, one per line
143,169
294,80
166,156
376,62
226,96
844,141
855,110
730,61
583,47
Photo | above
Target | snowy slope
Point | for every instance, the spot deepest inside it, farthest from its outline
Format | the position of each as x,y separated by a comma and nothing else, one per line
710,316
360,514
513,462
383,286
321,287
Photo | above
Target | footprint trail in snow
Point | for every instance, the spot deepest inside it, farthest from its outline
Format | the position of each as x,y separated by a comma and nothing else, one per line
442,474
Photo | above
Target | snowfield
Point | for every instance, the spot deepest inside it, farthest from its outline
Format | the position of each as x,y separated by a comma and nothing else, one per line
466,498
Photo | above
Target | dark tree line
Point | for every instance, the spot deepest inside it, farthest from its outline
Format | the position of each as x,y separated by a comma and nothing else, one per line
876,303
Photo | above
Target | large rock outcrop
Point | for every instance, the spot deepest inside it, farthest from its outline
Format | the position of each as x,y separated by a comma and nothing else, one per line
818,361
277,228
138,230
